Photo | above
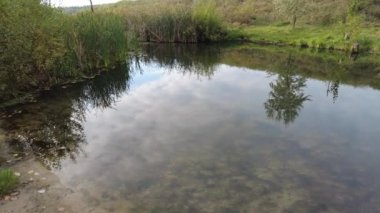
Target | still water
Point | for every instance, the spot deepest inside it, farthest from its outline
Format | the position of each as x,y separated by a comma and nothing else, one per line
214,129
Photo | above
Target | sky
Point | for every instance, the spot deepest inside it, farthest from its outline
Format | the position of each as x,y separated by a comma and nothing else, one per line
70,3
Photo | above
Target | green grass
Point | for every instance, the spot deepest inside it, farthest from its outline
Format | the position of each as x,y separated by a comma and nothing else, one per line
8,181
319,37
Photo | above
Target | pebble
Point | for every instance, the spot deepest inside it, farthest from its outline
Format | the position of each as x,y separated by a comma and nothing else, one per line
14,198
41,191
36,173
18,174
7,197
61,209
30,172
31,179
18,159
15,193
44,178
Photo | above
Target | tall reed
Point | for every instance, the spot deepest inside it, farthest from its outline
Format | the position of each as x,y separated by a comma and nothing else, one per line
176,23
96,40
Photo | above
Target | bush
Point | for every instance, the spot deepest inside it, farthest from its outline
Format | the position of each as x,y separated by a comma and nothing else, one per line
31,44
207,23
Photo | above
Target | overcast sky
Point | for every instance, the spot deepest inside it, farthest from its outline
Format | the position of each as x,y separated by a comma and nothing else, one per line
69,3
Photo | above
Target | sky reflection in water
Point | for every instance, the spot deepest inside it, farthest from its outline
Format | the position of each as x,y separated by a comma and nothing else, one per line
179,142
237,139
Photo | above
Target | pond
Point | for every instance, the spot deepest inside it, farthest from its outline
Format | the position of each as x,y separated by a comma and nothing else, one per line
235,128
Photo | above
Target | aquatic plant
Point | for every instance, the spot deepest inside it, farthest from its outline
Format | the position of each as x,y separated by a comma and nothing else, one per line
96,40
8,181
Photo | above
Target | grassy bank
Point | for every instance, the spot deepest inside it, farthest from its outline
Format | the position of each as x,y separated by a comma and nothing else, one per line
174,21
323,24
319,37
41,46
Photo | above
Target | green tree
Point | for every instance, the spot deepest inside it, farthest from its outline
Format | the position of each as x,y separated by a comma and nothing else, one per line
293,9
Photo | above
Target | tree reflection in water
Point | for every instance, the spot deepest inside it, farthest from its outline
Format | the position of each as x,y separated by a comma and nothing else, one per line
190,59
333,89
52,128
286,97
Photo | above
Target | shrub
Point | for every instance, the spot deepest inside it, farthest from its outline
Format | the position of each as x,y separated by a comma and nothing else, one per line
40,46
207,23
31,44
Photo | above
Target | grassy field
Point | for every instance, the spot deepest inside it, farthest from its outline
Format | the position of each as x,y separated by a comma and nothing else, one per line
319,37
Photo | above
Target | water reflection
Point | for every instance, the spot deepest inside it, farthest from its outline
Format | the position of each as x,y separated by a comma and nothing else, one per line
52,128
190,59
190,132
333,89
286,97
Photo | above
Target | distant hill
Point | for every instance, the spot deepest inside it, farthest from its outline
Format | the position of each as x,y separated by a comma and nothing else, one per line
325,11
72,10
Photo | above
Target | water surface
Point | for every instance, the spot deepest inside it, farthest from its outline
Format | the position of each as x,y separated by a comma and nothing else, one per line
214,129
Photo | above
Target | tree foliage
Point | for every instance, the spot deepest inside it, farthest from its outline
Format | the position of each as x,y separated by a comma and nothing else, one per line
293,9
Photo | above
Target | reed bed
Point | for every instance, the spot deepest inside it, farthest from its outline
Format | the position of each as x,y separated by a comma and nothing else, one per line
175,22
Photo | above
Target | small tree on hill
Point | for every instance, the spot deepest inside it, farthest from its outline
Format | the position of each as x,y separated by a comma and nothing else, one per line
293,9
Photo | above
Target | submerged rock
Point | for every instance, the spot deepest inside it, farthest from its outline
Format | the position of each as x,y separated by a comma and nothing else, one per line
15,193
61,209
41,191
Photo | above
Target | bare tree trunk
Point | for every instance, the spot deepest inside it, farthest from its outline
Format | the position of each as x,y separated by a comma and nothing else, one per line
92,6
